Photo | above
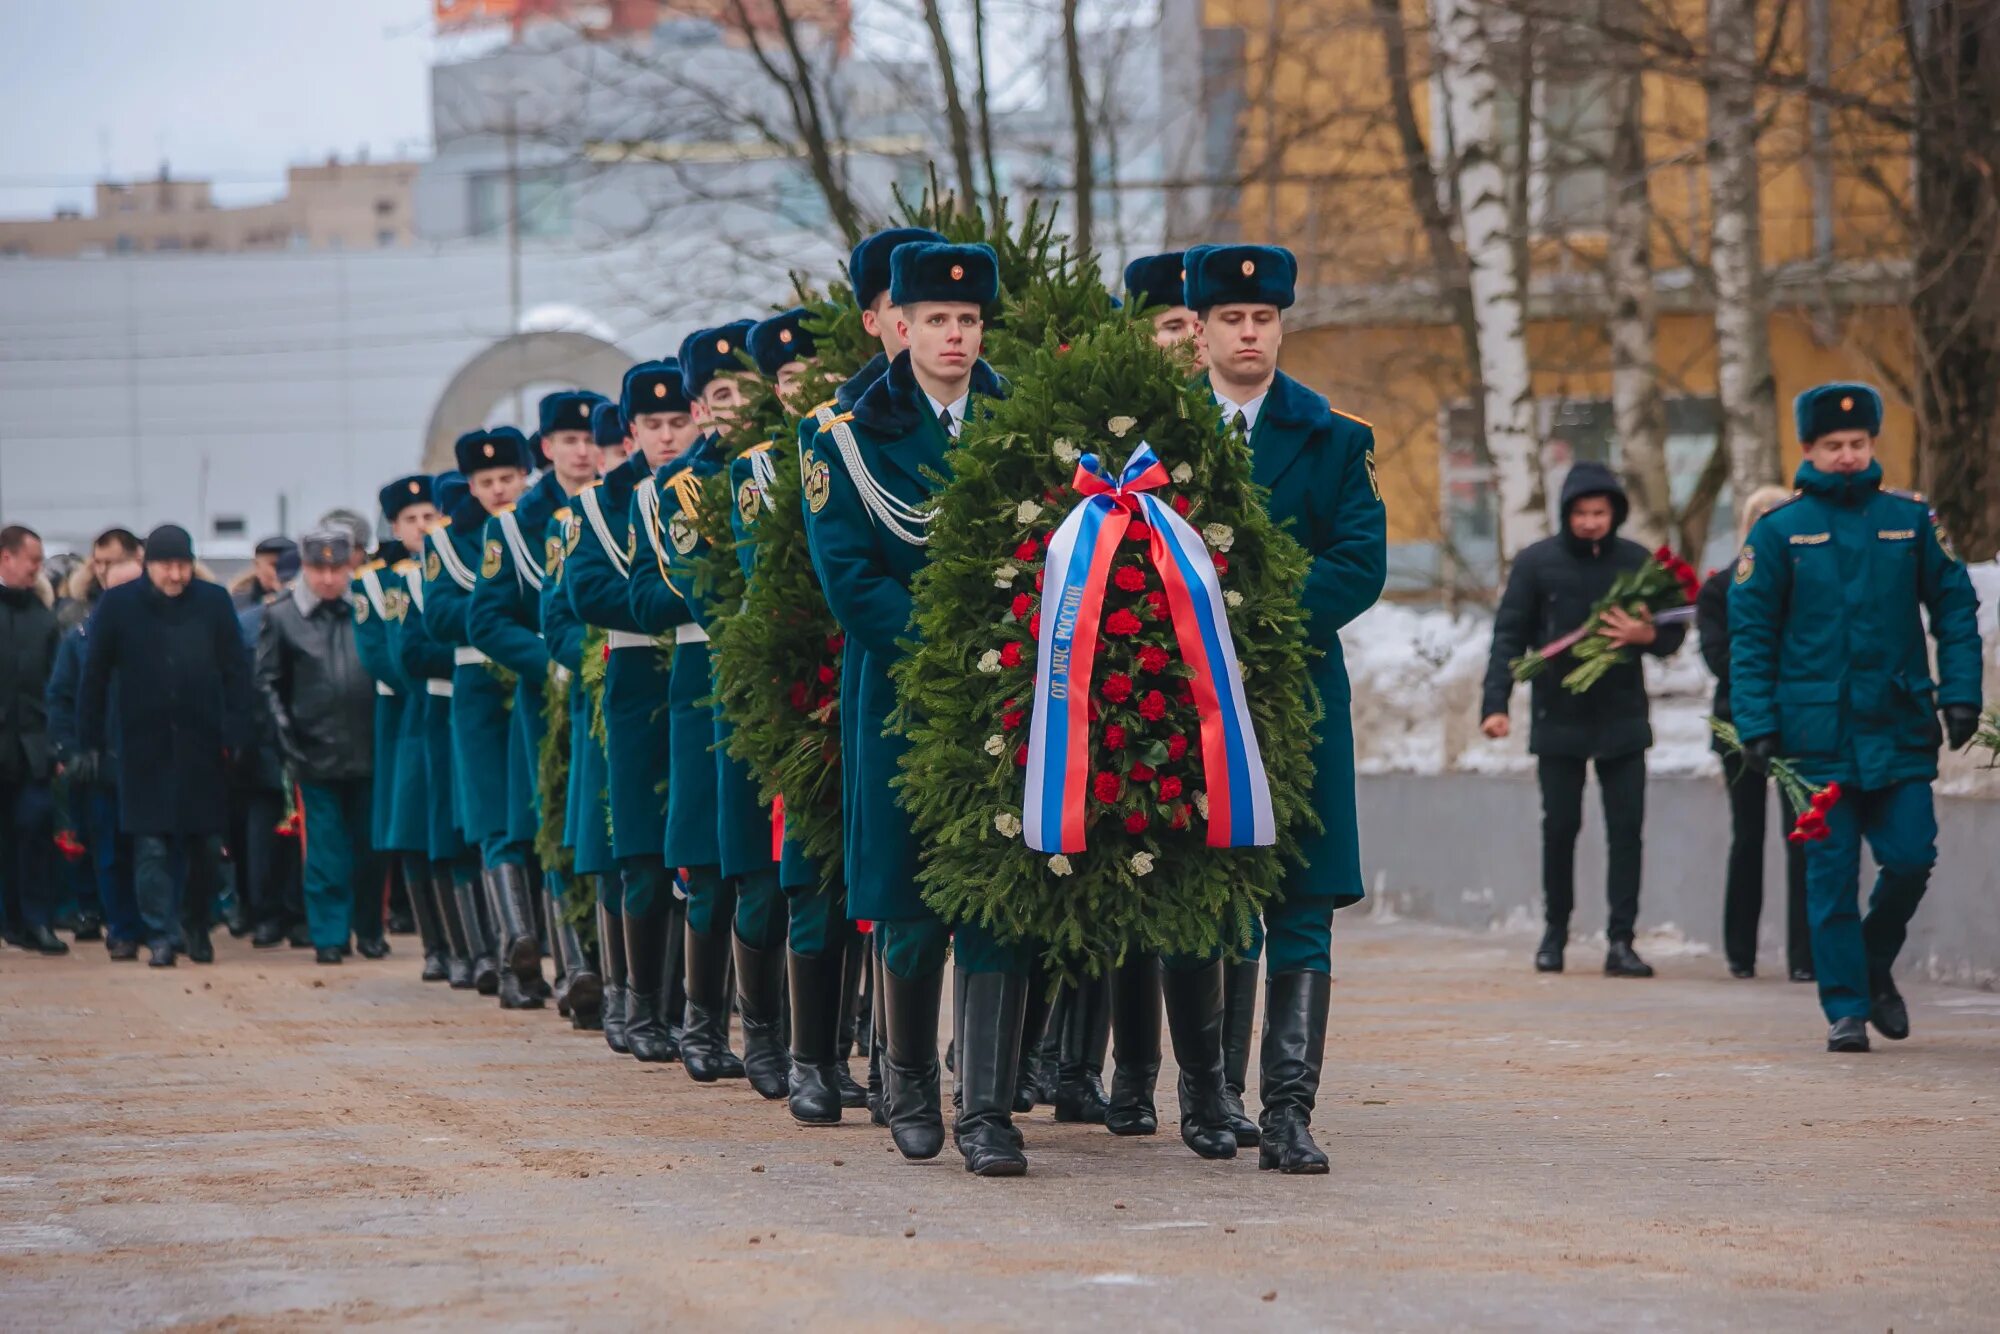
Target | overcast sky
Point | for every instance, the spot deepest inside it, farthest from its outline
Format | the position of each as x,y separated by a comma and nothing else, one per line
230,89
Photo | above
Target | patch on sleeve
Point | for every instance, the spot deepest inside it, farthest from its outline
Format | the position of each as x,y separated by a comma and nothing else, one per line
818,481
552,557
1746,564
1943,538
682,534
1374,484
395,603
746,501
361,608
489,565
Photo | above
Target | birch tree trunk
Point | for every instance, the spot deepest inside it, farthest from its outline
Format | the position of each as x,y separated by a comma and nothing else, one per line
1636,402
1742,301
1466,45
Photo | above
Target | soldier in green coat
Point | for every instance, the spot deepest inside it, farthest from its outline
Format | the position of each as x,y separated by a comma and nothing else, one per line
867,478
1828,668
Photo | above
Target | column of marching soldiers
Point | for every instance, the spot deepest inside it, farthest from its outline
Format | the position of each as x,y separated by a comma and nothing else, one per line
697,914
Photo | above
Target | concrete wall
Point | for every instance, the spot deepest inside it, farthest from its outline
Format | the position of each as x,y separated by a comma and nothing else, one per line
1465,850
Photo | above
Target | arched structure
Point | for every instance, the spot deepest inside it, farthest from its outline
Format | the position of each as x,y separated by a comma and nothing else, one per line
559,357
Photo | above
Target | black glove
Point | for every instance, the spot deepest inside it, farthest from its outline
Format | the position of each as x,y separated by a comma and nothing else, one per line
1758,754
1961,723
82,768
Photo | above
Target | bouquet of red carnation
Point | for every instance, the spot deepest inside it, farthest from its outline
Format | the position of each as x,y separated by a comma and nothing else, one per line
1664,584
1809,801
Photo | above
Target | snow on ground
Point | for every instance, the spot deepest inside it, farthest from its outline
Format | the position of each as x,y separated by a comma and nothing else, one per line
1417,674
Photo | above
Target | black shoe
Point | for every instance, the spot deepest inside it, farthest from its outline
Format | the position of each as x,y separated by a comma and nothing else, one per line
760,1001
1888,1013
816,985
1743,970
910,1074
43,941
1549,954
402,924
1849,1034
89,926
584,985
268,936
852,1095
1239,1005
989,1044
1194,1022
328,954
611,953
239,923
1804,975
373,947
1135,1046
299,937
1621,960
1295,1006
1079,1092
705,1036
122,951
437,968
160,956
199,947
516,996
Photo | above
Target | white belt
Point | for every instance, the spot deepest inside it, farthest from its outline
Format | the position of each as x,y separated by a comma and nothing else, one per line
468,656
690,634
617,639
437,687
562,674
382,688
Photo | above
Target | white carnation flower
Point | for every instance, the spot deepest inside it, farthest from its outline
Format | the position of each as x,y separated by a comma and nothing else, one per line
1119,426
989,661
1142,863
1008,823
1067,452
1060,864
1182,474
995,744
1004,576
1232,598
1219,535
1201,803
1027,512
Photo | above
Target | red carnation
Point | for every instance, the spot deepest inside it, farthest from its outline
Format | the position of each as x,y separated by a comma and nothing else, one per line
1105,786
1828,794
1170,787
800,695
1022,602
1664,554
1130,578
1038,581
607,650
1035,622
1142,773
1156,603
1123,622
1139,532
1136,822
1117,688
825,702
1114,737
1028,550
1177,747
1010,719
1181,506
1020,757
834,643
1221,563
826,675
1153,707
1152,658
1010,653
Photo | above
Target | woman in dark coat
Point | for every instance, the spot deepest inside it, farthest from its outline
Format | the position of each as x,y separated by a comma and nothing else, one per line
1749,797
183,683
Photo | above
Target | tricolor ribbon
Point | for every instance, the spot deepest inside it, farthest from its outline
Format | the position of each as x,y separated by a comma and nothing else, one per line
1078,565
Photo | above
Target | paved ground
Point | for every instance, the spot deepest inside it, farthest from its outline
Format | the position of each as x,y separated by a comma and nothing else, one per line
264,1144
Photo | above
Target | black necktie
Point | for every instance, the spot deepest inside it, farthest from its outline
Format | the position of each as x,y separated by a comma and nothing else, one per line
944,422
1242,423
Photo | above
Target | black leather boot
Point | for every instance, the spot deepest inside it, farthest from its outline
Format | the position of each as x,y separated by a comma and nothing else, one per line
586,984
1295,1007
1549,954
1194,1021
520,947
1079,1091
1621,960
989,1039
760,1000
705,1038
878,1037
417,881
652,941
611,949
856,993
1239,1010
541,917
1029,1087
1135,1049
819,1003
457,949
194,928
475,909
910,1072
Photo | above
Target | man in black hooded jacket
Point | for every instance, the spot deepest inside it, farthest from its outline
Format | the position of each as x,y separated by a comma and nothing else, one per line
1550,592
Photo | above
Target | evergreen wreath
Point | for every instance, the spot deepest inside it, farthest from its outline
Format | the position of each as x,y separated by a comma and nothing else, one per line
1092,380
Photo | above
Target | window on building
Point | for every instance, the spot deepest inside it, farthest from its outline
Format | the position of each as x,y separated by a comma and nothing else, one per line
544,204
230,525
384,207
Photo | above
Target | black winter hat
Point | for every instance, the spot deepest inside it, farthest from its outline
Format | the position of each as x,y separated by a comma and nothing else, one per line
169,541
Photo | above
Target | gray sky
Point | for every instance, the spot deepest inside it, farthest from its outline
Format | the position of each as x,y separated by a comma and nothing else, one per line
235,90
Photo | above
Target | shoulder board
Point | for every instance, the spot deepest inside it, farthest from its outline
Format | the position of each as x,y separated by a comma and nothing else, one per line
376,564
561,515
834,421
1792,499
755,449
504,509
1360,421
822,407
1917,496
403,567
444,521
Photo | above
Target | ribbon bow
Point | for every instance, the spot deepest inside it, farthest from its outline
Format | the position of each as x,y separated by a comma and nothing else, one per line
1077,568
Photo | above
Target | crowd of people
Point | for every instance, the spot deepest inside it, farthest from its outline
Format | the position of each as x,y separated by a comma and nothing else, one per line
499,719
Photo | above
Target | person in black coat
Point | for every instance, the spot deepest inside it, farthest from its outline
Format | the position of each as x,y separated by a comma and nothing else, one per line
1749,794
1549,594
28,637
170,642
